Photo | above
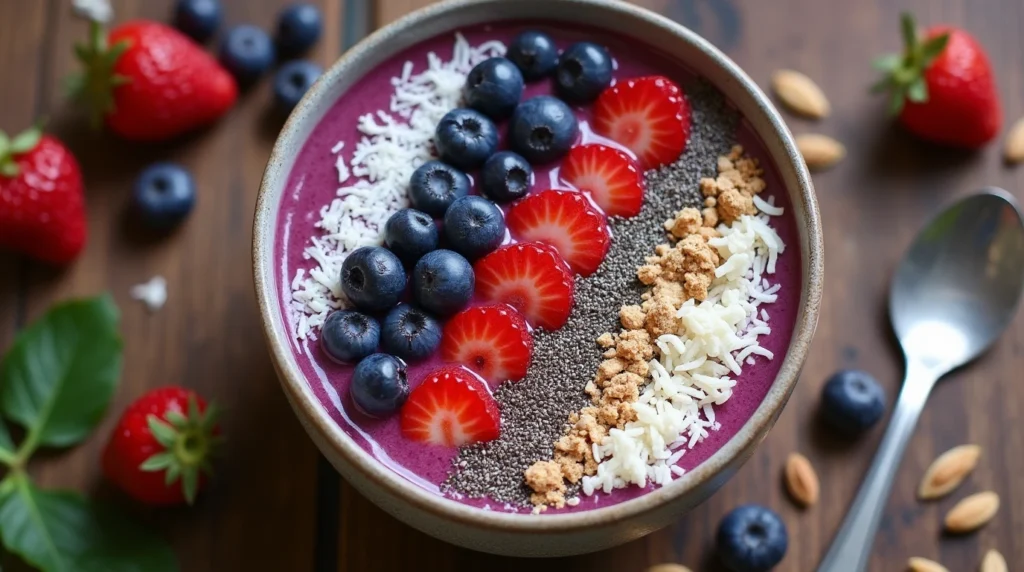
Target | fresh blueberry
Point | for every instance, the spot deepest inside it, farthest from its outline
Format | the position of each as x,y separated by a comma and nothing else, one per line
474,226
164,195
410,234
292,81
247,53
584,71
752,538
442,282
534,53
298,28
372,278
542,129
434,186
348,336
379,386
198,19
410,333
852,401
465,138
506,177
493,87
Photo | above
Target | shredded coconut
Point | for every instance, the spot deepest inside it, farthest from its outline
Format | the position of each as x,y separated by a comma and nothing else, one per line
153,293
393,144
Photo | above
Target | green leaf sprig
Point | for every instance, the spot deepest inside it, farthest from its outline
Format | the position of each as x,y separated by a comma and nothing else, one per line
56,381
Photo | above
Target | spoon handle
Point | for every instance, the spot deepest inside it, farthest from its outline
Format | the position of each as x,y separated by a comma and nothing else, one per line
851,548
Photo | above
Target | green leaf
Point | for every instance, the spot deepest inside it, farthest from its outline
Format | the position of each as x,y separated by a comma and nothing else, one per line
26,140
63,532
896,102
909,30
61,372
5,144
158,462
933,48
162,432
918,91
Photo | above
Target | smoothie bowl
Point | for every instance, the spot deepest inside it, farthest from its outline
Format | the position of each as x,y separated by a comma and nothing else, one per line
537,275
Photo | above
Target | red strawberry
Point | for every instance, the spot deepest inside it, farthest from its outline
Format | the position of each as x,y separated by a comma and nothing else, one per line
649,115
451,407
493,341
42,208
530,277
159,453
565,220
609,175
152,83
942,87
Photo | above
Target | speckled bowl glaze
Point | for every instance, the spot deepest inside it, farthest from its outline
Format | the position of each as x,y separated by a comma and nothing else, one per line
525,534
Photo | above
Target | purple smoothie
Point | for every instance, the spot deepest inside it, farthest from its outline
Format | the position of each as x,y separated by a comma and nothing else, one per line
313,182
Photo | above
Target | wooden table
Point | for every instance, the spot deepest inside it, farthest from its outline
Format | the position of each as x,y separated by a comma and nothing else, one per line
277,505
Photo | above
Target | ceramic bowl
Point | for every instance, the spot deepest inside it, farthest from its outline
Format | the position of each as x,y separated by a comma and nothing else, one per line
526,534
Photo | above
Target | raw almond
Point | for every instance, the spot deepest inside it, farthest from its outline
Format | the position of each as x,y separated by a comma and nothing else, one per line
1015,142
800,93
801,480
820,151
668,568
917,564
948,471
993,562
972,512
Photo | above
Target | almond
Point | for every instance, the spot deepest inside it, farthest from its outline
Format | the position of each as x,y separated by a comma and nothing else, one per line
801,480
972,512
916,564
820,151
948,471
1015,142
800,94
993,562
668,567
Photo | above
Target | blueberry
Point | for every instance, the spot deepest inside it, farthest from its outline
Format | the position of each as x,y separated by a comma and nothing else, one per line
584,71
434,186
379,386
542,129
474,226
852,401
534,53
465,138
164,195
493,87
247,53
506,177
292,81
410,234
442,282
372,278
410,333
348,336
752,538
298,28
198,19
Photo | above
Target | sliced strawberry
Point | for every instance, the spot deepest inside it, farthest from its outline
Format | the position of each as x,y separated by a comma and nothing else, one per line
532,278
648,115
451,407
565,220
492,340
609,175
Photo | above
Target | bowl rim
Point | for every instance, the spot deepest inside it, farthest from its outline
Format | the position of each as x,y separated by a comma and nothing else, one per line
316,419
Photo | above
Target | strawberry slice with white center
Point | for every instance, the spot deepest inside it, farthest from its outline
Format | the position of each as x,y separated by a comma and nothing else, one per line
565,220
610,176
532,278
493,340
649,115
451,407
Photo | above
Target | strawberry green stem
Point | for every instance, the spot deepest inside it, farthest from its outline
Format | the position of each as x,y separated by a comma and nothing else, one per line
19,145
95,85
904,73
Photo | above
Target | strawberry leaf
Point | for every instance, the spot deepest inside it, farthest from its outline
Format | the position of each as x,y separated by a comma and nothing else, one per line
162,432
26,141
58,377
932,48
5,144
60,531
918,91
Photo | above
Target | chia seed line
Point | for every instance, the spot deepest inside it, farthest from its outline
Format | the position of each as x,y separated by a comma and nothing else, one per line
534,411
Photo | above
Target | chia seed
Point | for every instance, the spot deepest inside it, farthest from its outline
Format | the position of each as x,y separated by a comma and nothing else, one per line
534,411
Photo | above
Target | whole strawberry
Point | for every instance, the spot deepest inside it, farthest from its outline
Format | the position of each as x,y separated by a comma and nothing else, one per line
942,86
42,208
150,82
159,453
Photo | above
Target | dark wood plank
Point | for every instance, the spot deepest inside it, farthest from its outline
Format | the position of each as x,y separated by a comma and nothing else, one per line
872,205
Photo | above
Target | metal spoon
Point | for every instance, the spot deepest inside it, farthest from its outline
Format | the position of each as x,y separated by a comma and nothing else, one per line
954,293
